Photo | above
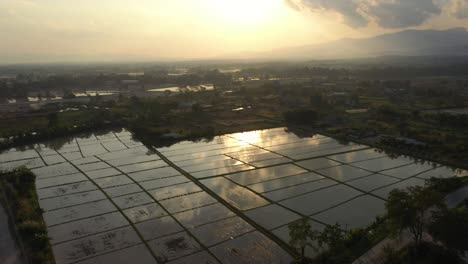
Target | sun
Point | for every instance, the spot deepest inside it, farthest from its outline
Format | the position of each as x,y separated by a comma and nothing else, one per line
248,12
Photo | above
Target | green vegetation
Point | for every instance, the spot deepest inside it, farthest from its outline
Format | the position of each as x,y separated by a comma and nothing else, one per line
450,228
421,211
20,190
415,210
353,243
301,117
333,244
302,236
183,116
409,209
394,126
425,253
446,186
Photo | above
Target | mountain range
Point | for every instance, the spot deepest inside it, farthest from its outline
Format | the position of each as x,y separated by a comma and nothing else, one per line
450,42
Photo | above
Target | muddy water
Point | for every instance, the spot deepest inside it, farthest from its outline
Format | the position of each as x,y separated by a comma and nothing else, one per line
9,252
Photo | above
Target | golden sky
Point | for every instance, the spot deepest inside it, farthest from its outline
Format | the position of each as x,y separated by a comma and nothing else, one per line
84,30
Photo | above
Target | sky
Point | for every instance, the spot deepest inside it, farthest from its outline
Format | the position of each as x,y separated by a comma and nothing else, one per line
134,30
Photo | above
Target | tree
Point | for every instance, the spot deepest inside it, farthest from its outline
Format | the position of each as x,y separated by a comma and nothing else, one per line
332,236
68,94
302,236
387,112
316,100
121,97
445,186
52,119
196,108
301,116
409,209
451,228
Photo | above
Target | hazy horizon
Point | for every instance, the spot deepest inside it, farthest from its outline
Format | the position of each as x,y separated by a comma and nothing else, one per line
105,31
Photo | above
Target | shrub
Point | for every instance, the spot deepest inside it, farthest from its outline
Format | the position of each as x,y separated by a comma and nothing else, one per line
428,253
451,228
29,227
27,213
445,185
303,116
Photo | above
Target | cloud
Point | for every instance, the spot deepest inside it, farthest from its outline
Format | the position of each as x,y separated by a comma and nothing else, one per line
385,13
460,9
403,13
350,10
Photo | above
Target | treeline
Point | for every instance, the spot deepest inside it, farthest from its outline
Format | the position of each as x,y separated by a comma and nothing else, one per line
383,72
25,83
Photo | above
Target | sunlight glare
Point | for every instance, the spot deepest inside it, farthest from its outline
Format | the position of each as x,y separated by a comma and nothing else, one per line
248,12
248,138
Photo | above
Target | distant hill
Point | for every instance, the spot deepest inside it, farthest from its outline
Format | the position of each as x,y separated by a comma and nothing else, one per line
451,42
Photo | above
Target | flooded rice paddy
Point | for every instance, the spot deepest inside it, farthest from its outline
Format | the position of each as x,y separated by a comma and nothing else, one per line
109,199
